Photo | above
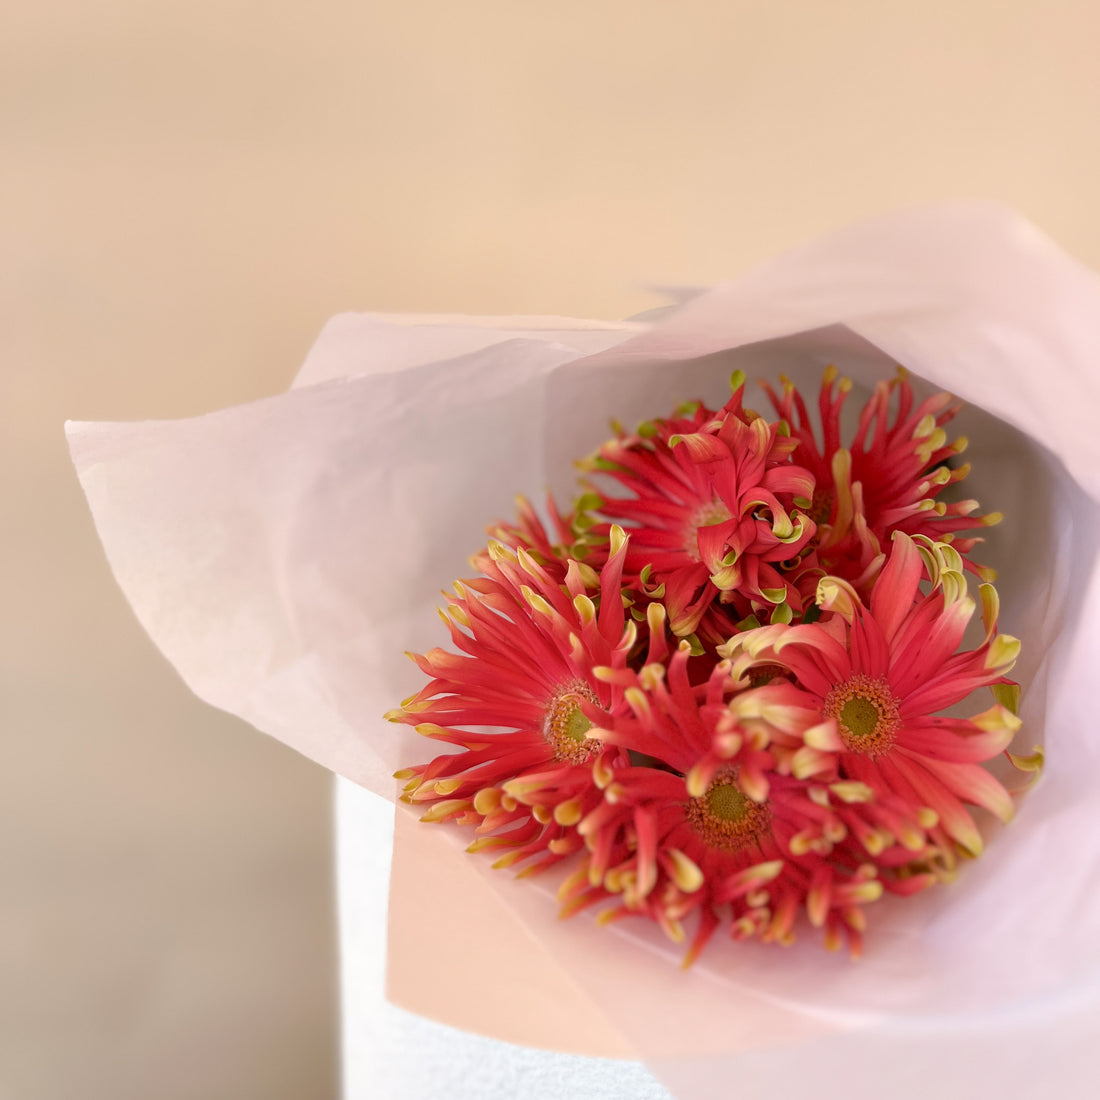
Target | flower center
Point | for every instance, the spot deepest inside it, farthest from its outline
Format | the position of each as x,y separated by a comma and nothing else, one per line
706,515
565,725
866,712
821,508
725,817
764,674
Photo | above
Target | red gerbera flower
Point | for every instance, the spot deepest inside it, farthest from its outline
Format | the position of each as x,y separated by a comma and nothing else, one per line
552,546
713,504
879,675
518,700
716,828
887,478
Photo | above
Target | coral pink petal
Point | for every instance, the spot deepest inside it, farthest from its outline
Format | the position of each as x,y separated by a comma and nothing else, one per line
897,587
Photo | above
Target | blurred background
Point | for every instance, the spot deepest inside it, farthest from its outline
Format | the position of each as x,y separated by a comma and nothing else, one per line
188,189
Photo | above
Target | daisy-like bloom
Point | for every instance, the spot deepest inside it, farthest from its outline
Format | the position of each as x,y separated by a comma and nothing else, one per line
714,505
886,478
716,829
878,675
517,700
551,546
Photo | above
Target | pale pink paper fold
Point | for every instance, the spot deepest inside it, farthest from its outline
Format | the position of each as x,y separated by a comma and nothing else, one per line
283,554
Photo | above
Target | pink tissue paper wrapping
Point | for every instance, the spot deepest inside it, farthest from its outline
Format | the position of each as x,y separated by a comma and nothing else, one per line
284,554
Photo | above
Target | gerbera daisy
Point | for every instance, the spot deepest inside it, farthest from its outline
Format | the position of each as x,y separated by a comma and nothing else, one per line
717,829
879,675
518,699
714,507
886,478
552,546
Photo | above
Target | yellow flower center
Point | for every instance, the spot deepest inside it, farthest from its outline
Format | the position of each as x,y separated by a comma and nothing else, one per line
565,725
866,713
725,817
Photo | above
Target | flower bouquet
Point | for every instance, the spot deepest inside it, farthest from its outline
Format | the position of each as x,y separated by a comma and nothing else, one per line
727,688
620,706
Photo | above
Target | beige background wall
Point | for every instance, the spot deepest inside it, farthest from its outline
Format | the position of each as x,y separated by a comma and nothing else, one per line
188,188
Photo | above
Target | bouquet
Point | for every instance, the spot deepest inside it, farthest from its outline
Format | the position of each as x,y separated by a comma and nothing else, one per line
712,689
779,682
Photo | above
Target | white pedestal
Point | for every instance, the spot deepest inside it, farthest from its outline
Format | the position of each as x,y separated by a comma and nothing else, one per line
389,1054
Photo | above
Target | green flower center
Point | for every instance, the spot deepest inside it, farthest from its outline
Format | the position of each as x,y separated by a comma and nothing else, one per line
726,802
860,717
565,725
726,818
866,713
576,725
764,674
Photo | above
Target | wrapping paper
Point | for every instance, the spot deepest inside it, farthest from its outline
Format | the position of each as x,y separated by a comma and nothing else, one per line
284,554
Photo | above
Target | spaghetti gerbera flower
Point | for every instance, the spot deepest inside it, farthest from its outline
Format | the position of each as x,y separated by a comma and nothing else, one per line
551,545
712,826
518,700
879,675
714,507
887,477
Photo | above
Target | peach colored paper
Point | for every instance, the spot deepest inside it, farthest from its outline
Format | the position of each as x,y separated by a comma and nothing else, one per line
283,555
